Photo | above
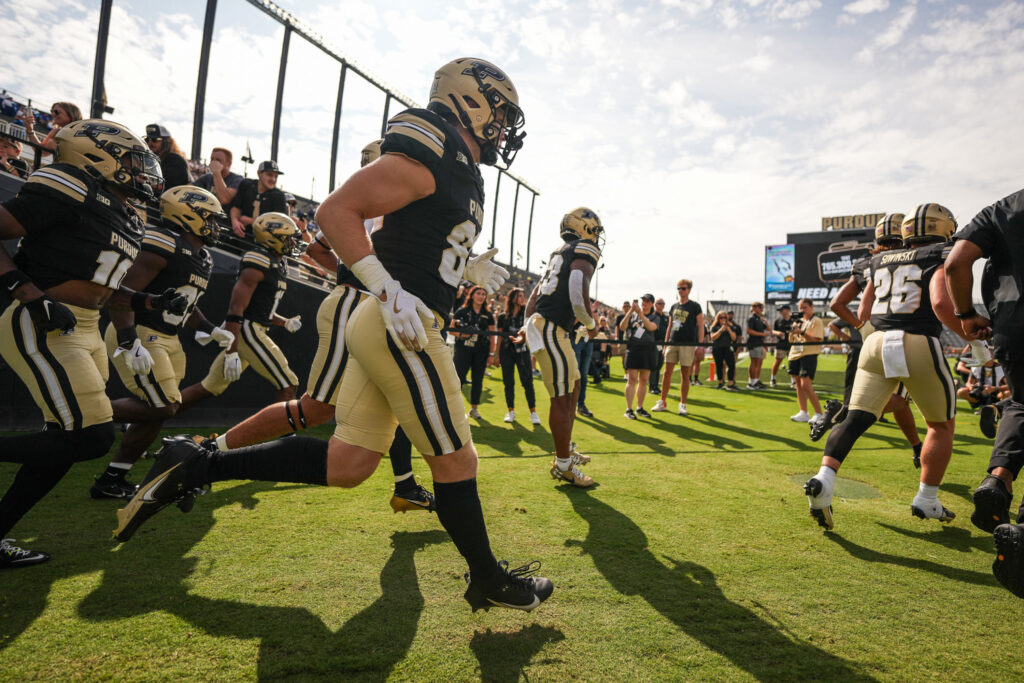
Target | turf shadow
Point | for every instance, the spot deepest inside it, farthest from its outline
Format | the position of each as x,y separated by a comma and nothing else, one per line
503,656
677,425
509,440
869,555
687,595
753,434
617,435
953,537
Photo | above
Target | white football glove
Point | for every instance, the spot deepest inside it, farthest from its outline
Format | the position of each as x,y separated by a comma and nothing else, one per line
404,315
293,324
223,337
138,359
980,354
232,366
581,334
480,270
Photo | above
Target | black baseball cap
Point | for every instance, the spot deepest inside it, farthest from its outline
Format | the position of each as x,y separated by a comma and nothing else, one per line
155,131
270,165
289,198
648,297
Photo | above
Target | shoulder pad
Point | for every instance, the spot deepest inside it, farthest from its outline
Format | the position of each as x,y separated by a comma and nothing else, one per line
62,182
418,134
587,250
256,259
160,241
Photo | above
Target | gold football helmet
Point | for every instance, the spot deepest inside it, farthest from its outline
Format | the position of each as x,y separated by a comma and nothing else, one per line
194,210
889,230
484,100
111,154
928,223
370,153
278,233
582,224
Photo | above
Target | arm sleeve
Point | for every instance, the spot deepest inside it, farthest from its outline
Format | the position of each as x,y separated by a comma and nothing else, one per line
579,308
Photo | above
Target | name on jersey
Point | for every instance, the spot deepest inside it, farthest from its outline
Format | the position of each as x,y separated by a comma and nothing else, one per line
899,257
200,282
476,211
126,247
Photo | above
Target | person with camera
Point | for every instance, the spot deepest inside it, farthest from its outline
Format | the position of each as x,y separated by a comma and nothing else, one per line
472,349
783,325
61,113
723,336
758,331
638,329
514,356
10,158
805,337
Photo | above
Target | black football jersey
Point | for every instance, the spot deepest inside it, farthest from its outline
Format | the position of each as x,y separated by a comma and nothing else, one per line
270,290
859,272
425,245
187,271
76,230
553,289
901,279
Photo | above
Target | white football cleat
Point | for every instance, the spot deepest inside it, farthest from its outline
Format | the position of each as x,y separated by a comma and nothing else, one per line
819,496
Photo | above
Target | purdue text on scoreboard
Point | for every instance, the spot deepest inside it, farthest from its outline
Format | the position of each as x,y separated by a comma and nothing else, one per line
867,220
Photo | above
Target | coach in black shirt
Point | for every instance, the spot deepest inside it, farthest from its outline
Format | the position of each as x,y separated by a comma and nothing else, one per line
757,330
257,197
660,317
997,233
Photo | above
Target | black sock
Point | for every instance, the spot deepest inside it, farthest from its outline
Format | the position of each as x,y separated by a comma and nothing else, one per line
458,509
28,448
298,459
30,485
840,441
401,461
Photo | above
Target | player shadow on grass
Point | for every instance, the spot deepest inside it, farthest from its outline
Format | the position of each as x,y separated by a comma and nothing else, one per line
953,537
687,594
497,436
619,435
679,426
293,641
868,555
739,430
504,655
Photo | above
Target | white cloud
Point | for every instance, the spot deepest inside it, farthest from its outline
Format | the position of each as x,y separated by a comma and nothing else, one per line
861,7
892,35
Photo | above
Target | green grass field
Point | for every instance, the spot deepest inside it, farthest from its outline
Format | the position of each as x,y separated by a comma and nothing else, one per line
693,559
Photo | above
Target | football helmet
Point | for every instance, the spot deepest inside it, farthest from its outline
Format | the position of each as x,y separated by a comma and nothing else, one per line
370,153
889,230
928,223
111,154
278,233
484,100
193,209
582,224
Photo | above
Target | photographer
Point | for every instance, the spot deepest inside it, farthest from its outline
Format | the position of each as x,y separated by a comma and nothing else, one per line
472,350
723,336
514,356
62,114
638,329
783,325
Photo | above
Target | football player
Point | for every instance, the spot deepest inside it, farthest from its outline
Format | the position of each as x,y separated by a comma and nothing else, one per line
888,236
317,405
560,298
172,256
428,187
79,234
910,306
262,282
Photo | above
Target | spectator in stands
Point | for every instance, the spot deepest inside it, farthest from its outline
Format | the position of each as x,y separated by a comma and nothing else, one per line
514,356
686,328
661,318
220,180
7,104
986,386
757,331
256,197
290,201
10,158
472,350
62,113
638,330
806,336
172,159
783,325
723,336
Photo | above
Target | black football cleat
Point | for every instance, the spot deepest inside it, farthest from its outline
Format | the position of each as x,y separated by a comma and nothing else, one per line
171,479
1008,566
991,504
418,498
12,557
835,412
989,421
513,588
105,488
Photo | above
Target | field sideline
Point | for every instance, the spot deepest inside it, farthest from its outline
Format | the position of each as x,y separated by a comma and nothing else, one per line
694,559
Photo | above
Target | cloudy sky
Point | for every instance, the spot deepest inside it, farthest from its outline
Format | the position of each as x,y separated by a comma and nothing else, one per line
700,130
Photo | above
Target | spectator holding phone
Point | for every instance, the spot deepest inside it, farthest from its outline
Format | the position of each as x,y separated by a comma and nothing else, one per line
783,325
641,352
61,113
473,350
514,356
723,336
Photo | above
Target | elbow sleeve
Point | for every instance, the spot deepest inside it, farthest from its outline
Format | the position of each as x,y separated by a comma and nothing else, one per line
576,299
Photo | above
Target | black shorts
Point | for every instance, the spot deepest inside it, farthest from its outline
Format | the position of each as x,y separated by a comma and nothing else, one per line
804,367
642,358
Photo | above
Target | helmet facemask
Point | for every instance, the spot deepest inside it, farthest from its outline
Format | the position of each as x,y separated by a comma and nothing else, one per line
502,134
139,171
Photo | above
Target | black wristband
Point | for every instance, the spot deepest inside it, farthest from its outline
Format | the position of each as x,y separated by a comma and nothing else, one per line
12,280
126,337
230,318
965,316
205,326
138,301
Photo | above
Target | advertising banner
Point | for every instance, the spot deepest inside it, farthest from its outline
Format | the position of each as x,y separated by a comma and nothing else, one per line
779,268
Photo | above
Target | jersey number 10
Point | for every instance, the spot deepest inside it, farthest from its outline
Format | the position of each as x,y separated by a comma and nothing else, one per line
111,269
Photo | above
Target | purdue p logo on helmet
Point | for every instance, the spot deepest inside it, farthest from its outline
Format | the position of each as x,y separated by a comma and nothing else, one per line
193,210
370,153
483,99
582,224
111,154
928,223
278,233
889,230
